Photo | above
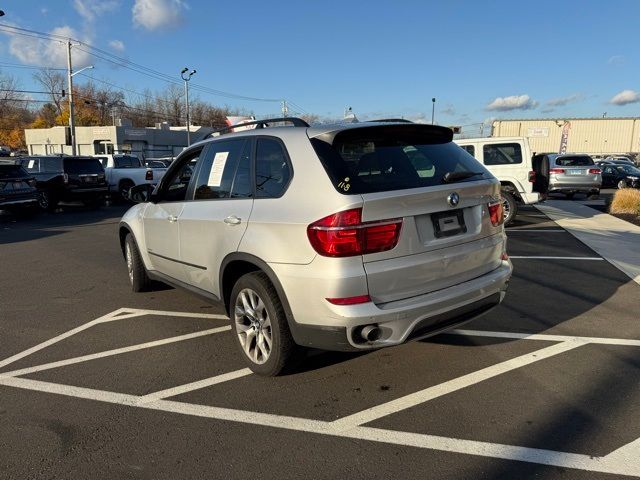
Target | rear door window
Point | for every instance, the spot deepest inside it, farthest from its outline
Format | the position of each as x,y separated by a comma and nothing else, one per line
393,157
502,154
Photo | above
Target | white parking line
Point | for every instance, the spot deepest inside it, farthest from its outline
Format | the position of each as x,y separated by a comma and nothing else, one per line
614,463
537,230
189,387
117,351
539,257
546,337
413,399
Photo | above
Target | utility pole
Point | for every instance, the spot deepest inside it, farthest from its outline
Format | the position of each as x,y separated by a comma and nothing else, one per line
433,109
72,120
186,94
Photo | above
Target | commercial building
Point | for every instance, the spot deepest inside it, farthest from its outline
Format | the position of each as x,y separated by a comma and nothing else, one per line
595,136
159,141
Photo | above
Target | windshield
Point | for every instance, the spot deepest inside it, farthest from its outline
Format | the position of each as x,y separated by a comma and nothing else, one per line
82,165
581,161
380,159
12,171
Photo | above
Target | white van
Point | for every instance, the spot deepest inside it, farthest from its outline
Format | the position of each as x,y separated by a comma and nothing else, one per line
511,161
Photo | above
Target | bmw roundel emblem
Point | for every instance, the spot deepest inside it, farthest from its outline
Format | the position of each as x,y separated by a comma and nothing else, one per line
453,199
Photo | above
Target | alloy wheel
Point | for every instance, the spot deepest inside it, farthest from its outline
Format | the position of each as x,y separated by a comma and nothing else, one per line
253,326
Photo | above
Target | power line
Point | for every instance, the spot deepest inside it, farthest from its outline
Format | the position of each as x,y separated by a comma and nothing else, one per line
32,67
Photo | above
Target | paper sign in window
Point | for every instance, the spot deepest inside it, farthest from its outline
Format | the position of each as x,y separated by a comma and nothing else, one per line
215,175
31,163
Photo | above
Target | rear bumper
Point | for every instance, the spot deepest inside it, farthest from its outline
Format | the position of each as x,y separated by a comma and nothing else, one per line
574,187
84,193
407,319
22,202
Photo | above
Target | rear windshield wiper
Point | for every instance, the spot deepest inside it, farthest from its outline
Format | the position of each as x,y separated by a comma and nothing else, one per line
453,176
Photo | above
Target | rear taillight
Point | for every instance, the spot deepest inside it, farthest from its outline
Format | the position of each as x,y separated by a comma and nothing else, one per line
350,300
343,234
496,213
149,175
595,171
532,176
556,170
65,177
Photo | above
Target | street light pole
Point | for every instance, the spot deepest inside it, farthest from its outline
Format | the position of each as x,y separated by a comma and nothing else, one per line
186,95
72,116
433,109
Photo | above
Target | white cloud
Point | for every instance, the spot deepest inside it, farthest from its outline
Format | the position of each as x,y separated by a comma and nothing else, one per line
90,9
616,60
449,110
156,14
561,101
117,45
33,51
625,97
514,102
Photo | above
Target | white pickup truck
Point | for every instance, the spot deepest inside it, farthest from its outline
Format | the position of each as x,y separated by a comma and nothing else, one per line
123,171
523,178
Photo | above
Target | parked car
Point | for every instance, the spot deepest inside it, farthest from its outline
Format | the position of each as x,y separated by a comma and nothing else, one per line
620,159
66,179
124,171
620,176
572,173
345,237
164,161
510,160
18,191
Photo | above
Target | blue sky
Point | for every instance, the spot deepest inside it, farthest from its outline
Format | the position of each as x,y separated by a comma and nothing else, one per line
480,59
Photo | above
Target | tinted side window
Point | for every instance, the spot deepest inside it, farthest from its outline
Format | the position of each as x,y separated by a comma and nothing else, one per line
175,186
50,164
502,154
31,165
215,178
272,168
470,149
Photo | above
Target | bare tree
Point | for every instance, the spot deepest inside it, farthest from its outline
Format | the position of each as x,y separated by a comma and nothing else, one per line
53,82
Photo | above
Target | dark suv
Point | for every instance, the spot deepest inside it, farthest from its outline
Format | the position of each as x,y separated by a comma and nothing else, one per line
67,178
17,189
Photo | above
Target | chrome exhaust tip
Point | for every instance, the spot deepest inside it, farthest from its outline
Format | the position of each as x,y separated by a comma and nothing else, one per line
370,333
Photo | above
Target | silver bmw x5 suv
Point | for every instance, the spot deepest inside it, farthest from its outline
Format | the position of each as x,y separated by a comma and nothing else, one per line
343,237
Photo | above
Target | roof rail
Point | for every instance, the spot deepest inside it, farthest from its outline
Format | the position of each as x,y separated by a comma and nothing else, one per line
390,120
296,122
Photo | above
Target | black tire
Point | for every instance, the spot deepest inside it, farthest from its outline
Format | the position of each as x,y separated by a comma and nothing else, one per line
622,184
138,277
123,189
510,207
569,195
244,323
47,201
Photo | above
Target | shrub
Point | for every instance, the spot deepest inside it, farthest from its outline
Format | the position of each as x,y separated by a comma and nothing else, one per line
626,200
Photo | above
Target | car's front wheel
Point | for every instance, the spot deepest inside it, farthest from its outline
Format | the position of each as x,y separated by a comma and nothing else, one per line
138,277
260,325
622,184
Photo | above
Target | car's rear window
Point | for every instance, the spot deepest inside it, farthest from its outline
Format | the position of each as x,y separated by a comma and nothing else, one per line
82,165
394,157
574,161
12,171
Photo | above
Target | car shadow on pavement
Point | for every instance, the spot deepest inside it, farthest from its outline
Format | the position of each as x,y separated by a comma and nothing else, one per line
15,228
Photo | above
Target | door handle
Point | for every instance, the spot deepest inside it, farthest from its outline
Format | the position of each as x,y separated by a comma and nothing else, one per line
232,220
172,218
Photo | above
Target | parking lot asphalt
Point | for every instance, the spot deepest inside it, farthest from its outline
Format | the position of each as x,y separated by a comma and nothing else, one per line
96,381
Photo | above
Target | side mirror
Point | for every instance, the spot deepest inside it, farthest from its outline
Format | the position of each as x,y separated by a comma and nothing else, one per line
142,193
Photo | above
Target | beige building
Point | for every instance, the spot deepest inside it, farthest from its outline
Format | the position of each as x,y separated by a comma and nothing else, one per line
159,141
595,136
